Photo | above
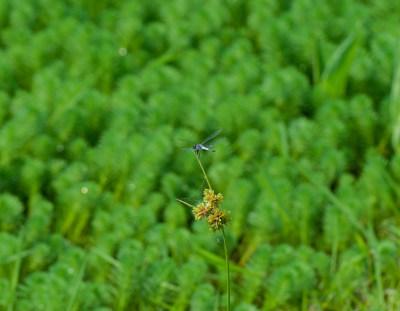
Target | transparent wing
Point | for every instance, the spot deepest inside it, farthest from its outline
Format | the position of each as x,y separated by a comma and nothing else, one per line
187,141
211,136
215,143
187,148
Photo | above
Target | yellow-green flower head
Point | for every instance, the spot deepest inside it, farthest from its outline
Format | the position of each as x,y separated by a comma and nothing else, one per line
218,219
201,211
212,199
208,194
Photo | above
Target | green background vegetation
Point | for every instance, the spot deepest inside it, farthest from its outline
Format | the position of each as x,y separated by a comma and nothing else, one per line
93,96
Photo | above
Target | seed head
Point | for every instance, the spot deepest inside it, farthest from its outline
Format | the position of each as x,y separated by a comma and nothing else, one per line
218,219
201,211
211,198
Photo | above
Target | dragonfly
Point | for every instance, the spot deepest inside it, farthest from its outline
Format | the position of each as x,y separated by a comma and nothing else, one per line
202,145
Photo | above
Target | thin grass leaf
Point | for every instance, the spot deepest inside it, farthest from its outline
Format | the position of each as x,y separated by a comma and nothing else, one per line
218,261
106,257
16,271
268,182
394,106
368,233
335,201
335,75
74,299
316,60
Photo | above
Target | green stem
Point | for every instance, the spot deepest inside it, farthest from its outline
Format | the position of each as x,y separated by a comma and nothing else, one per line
228,283
204,173
16,272
190,205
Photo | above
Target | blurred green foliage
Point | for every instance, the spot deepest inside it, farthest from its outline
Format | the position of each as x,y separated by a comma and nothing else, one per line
93,96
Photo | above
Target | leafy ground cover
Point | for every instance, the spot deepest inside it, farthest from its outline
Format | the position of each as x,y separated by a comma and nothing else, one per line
93,97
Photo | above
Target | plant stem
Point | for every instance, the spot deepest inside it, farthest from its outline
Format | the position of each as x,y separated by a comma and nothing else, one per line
16,272
204,173
228,283
190,205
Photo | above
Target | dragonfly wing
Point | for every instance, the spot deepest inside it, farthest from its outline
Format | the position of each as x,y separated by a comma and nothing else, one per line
187,148
187,141
214,143
211,136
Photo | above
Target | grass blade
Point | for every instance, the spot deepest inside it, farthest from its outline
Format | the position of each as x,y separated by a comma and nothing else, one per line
394,106
335,74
